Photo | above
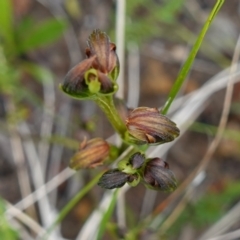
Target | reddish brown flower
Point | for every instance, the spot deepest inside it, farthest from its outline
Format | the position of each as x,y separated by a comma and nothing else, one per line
97,73
148,125
91,154
115,178
157,176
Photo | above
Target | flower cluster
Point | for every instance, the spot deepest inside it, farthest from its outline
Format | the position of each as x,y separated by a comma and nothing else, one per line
95,78
97,74
153,172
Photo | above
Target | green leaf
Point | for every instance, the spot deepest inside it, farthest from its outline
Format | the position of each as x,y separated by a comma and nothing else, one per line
6,23
6,231
41,74
40,35
107,215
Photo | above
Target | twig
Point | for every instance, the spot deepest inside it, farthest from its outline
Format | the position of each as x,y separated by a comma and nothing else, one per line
25,219
133,75
223,224
47,122
229,236
46,188
46,212
120,42
19,160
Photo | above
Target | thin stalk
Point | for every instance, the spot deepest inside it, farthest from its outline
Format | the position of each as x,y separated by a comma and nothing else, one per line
107,105
187,65
69,206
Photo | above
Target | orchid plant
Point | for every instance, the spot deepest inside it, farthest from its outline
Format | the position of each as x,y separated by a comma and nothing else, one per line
95,78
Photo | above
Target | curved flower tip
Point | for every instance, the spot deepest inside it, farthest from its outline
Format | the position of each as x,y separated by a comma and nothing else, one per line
137,160
115,178
91,154
157,176
96,74
149,126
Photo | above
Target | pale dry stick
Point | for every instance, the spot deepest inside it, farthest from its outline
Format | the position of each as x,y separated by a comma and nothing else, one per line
22,171
17,148
120,43
19,160
222,124
228,236
133,75
47,122
46,213
225,223
46,188
56,8
25,219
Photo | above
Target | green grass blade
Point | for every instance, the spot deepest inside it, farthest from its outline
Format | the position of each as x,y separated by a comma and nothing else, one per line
40,35
6,25
187,65
107,216
69,206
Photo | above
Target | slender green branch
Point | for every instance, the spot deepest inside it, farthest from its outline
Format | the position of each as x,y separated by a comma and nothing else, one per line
107,105
187,65
63,213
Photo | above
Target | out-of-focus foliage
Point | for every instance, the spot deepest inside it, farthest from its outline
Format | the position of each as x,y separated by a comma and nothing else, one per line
210,208
6,231
16,40
146,19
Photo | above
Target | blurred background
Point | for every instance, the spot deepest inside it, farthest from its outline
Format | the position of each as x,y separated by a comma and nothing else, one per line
41,127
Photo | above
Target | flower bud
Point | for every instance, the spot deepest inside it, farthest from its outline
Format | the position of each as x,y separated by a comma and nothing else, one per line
149,126
137,160
132,164
157,176
91,154
114,178
96,74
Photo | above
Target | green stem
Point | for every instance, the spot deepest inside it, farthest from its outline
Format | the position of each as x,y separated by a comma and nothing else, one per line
63,213
107,105
187,65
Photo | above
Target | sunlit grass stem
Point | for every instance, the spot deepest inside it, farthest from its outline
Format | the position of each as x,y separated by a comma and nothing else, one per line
187,65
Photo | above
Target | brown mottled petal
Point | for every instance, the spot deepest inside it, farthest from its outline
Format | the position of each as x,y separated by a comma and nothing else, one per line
73,81
113,179
91,154
106,84
113,58
147,124
99,44
158,176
